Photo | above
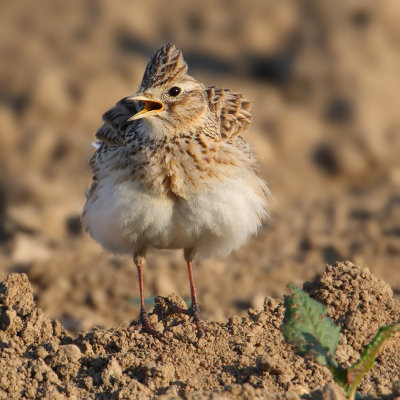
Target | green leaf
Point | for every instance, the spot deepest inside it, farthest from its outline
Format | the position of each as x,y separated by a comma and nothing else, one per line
307,326
367,359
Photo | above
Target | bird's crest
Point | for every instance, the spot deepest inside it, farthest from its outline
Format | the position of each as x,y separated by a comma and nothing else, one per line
165,65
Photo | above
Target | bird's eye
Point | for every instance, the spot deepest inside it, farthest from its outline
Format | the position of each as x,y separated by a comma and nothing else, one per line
174,91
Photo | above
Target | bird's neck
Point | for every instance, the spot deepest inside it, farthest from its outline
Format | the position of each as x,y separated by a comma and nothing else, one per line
155,129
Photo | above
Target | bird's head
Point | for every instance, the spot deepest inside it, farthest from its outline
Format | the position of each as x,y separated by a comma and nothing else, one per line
172,100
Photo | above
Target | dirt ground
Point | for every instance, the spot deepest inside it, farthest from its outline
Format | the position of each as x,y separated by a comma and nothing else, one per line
323,80
244,357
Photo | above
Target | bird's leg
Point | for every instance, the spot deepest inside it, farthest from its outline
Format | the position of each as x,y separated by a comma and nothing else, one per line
194,309
144,316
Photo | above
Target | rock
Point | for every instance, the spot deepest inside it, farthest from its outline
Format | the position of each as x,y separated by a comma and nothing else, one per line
333,392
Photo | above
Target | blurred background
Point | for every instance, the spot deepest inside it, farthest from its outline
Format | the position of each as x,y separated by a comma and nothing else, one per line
323,77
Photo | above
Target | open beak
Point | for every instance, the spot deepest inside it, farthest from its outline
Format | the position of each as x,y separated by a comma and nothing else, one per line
151,107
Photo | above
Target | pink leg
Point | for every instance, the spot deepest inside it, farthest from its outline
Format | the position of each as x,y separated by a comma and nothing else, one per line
144,316
194,309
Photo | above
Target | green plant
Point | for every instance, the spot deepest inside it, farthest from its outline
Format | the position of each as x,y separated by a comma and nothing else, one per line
307,327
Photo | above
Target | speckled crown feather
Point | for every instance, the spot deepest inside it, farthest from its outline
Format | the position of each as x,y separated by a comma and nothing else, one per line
165,65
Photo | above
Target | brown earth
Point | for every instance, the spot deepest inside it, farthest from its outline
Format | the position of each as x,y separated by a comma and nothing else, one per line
245,357
323,79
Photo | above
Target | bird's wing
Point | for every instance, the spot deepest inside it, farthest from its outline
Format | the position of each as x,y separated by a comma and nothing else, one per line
231,109
112,132
111,135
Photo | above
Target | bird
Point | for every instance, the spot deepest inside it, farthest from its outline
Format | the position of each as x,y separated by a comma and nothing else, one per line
172,171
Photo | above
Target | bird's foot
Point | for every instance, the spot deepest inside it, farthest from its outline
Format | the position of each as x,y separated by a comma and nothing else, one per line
148,327
194,312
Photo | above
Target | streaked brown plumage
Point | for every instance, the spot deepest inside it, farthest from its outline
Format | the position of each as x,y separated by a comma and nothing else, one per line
172,171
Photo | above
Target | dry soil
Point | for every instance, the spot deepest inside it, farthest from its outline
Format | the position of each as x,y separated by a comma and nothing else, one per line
246,357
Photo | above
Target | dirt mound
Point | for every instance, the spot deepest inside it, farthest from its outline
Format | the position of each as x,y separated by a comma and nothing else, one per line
243,358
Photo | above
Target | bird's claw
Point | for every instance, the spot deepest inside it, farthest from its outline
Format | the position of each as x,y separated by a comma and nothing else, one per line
194,312
148,327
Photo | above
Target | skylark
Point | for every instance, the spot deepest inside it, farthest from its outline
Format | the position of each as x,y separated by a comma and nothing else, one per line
171,171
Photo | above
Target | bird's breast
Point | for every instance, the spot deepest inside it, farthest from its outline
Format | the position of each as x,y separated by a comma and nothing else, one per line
179,167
